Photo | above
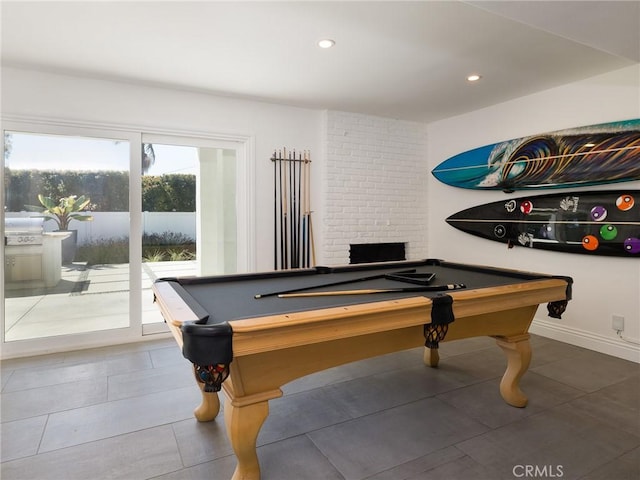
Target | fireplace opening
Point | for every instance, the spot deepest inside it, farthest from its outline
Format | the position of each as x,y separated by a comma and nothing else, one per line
376,252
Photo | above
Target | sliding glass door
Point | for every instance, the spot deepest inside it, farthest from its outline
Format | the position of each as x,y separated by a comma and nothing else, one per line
189,217
91,217
66,229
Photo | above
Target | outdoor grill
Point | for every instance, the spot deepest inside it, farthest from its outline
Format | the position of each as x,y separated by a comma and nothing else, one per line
32,256
23,231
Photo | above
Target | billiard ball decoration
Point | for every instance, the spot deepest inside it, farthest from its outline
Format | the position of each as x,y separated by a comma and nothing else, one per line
590,242
625,202
598,213
608,232
526,207
632,245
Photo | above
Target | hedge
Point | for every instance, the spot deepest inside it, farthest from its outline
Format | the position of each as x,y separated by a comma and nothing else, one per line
108,190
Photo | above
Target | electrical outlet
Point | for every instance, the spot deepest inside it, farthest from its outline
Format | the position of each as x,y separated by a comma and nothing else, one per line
617,322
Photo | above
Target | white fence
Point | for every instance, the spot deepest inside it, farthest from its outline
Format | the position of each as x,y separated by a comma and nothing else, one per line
108,225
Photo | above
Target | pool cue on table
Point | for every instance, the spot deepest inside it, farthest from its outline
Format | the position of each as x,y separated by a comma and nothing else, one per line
434,288
333,284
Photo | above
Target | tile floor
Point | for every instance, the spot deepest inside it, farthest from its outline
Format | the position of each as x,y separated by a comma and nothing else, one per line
125,412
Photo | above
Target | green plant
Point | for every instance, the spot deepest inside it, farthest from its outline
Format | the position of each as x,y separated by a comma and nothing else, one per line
155,256
175,256
104,251
67,209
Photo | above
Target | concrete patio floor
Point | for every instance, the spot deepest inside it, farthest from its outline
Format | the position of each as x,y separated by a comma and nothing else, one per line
87,298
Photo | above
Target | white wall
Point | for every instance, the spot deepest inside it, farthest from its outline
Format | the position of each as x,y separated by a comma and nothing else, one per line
373,184
603,285
32,94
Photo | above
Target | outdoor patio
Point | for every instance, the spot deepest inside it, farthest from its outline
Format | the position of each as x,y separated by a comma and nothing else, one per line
87,298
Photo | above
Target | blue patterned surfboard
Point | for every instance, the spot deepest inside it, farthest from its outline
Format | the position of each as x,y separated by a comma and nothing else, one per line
584,156
592,222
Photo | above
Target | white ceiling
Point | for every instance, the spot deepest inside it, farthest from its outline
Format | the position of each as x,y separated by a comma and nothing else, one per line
405,60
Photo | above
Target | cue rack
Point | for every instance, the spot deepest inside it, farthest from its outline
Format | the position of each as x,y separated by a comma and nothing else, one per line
293,245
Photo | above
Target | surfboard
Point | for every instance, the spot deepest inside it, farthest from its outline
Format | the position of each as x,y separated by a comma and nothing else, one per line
592,222
583,156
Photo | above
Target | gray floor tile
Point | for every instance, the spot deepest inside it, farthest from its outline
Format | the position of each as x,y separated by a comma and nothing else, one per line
58,374
547,351
561,436
304,412
32,362
138,455
421,465
484,403
466,345
617,405
368,445
103,353
295,459
167,356
21,438
375,393
474,367
143,382
625,467
201,442
54,398
589,371
464,468
118,417
221,469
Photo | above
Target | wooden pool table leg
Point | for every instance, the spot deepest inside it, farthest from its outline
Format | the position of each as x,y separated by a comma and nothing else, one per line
210,406
243,425
431,356
518,352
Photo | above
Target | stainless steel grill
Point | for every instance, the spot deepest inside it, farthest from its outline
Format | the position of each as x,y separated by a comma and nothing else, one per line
23,231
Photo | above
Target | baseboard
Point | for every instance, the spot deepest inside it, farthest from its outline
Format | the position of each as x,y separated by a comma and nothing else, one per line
610,346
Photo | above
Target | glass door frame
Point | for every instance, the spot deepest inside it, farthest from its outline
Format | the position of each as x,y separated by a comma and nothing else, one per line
245,198
244,146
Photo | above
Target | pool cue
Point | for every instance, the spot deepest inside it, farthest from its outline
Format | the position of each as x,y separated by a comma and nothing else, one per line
281,211
307,186
281,217
292,193
285,207
313,243
332,284
298,217
434,288
275,212
294,218
304,212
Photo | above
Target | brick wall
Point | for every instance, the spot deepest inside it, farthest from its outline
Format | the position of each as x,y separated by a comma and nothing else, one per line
375,182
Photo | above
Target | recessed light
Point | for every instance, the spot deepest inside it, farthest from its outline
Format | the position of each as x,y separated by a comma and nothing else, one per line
473,78
326,43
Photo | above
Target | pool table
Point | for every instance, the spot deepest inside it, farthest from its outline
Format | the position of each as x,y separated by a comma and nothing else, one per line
249,334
